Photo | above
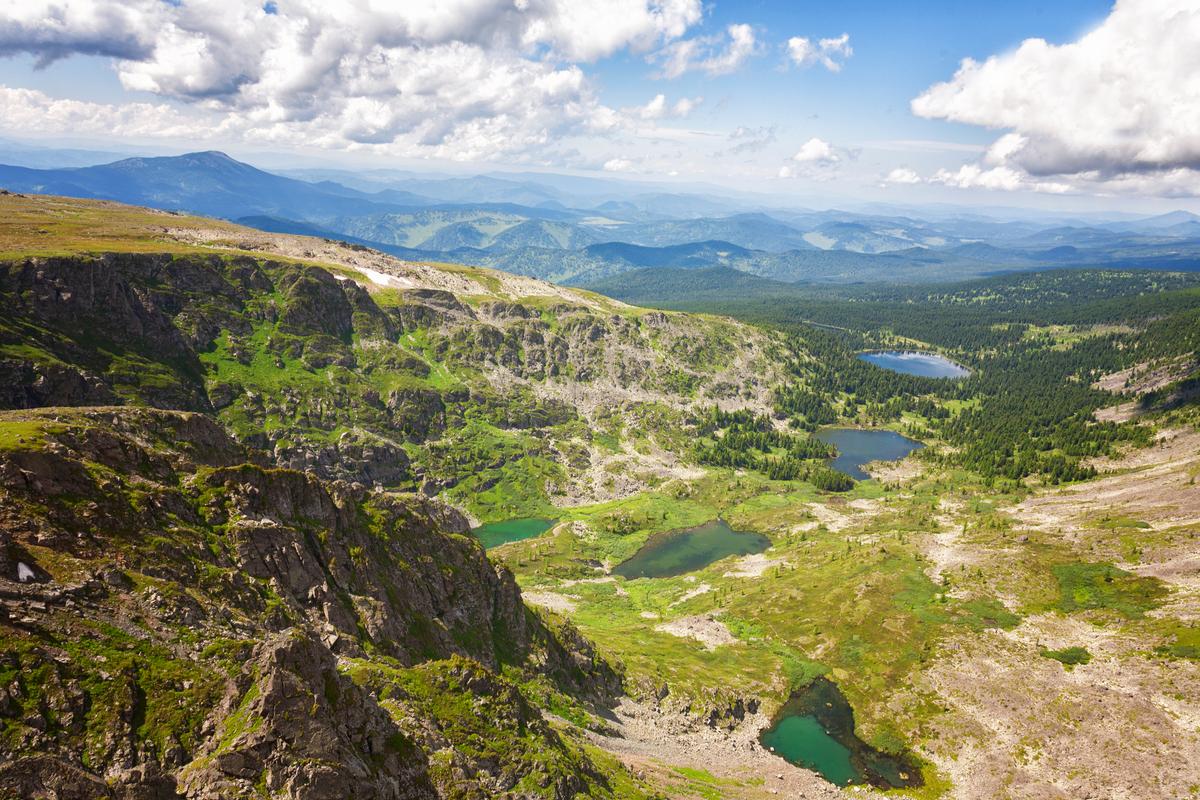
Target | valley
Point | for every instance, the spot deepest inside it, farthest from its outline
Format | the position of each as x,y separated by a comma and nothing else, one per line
561,400
244,469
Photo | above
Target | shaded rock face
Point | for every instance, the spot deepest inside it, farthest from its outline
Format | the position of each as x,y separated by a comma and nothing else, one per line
315,303
375,462
205,625
305,364
321,736
84,310
132,328
28,385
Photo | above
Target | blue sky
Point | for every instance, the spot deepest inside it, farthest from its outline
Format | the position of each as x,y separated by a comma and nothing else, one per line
752,98
899,50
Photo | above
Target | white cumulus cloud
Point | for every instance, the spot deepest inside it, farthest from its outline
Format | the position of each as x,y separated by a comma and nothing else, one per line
816,160
659,108
970,176
816,151
902,175
715,55
829,53
27,110
464,79
618,165
1120,105
56,30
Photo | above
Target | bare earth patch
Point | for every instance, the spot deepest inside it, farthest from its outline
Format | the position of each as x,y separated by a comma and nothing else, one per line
704,628
1154,484
900,471
577,581
380,269
1122,412
752,566
946,553
652,741
1145,377
831,519
1126,725
561,603
1020,725
703,588
1139,380
945,549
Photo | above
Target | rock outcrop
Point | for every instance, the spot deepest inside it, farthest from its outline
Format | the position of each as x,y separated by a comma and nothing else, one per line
204,624
312,367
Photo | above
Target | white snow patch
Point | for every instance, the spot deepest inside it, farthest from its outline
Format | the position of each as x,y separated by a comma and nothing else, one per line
383,279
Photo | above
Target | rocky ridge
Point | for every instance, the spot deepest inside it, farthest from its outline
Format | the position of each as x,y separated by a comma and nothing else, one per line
181,619
386,374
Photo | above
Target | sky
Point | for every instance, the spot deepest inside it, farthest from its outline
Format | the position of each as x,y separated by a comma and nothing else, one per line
1059,104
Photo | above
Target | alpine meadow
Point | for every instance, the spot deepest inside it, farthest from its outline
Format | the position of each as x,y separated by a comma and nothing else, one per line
638,400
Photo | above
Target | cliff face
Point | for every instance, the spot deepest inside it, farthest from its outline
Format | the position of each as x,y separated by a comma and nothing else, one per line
401,386
179,618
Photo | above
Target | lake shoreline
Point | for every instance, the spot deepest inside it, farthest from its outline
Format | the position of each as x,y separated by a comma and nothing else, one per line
676,552
857,447
647,736
918,363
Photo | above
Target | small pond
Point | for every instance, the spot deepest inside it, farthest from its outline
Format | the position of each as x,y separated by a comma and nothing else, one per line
676,552
907,362
857,447
494,534
815,729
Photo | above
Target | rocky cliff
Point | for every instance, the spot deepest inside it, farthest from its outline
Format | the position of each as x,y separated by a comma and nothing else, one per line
359,367
180,618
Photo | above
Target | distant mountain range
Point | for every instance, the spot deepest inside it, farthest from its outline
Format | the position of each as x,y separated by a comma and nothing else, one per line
583,230
210,184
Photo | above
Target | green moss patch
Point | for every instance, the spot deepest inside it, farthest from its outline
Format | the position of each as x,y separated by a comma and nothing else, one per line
1069,656
1084,586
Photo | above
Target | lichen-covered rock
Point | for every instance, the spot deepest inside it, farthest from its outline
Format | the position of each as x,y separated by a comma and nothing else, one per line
201,621
293,725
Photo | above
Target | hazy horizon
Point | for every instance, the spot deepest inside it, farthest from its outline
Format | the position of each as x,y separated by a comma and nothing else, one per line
1076,107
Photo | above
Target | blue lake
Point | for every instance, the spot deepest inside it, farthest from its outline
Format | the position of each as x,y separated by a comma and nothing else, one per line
857,447
925,365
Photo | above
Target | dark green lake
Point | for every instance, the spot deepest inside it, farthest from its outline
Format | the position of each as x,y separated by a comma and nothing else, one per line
494,534
857,447
815,730
676,552
925,365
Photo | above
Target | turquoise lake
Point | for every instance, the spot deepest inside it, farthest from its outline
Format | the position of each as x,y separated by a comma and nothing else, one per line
815,730
495,534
